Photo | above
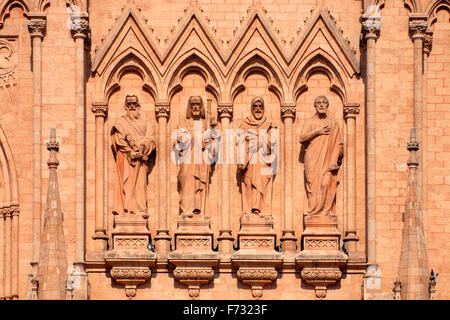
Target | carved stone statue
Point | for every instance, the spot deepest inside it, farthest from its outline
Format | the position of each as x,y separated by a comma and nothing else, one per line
257,156
323,146
133,141
194,156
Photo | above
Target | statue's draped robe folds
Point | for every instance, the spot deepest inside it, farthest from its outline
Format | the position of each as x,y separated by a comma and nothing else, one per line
258,172
132,174
194,167
321,152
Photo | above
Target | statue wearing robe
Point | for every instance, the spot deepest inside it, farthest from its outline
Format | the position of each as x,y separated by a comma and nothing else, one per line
133,141
322,142
257,155
194,155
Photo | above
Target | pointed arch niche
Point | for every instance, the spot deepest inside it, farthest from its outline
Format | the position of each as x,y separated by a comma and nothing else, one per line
318,76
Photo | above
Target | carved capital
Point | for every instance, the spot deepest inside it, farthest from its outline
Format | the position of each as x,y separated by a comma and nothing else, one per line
14,209
288,110
351,110
37,28
6,212
79,26
162,109
225,110
418,26
100,109
371,26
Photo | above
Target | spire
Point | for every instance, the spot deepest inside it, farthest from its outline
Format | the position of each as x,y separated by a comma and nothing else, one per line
52,260
413,270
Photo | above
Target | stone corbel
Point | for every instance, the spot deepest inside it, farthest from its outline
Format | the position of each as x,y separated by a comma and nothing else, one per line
320,278
257,277
130,276
194,276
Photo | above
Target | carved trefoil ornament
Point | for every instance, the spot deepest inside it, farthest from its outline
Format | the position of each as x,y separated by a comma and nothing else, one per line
8,63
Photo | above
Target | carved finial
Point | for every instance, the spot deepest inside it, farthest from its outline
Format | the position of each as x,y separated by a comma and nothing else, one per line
53,147
397,289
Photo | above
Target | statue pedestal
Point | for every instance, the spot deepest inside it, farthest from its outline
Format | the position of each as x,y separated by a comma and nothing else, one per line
130,259
321,259
256,259
193,256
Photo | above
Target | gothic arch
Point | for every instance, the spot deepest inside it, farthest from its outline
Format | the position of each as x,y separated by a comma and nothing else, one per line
433,8
319,62
192,61
256,61
129,60
9,221
9,4
414,6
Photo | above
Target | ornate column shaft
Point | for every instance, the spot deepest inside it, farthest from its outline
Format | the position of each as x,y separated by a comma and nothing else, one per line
162,238
37,26
99,109
288,240
351,110
371,29
80,27
225,112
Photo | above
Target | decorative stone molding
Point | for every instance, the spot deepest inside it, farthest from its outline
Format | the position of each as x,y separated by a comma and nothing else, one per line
37,27
130,277
79,26
225,110
257,278
193,277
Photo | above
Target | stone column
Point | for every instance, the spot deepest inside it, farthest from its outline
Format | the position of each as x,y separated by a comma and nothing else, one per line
8,251
351,110
418,27
225,112
2,254
99,109
37,27
371,30
162,238
80,27
14,209
288,240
